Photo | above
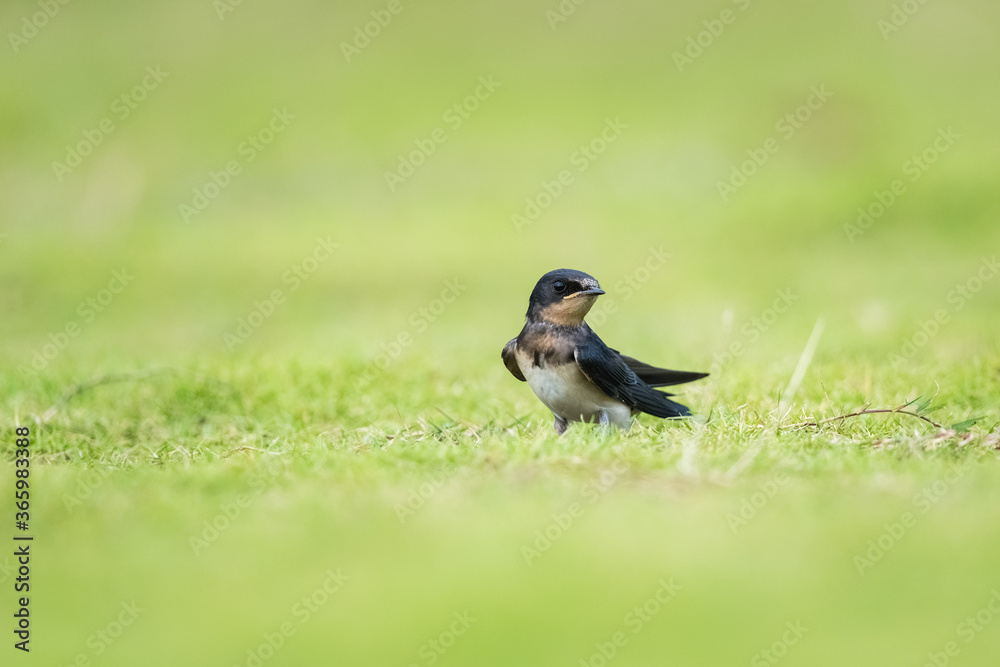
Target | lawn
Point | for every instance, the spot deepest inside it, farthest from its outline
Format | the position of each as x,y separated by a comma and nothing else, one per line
256,271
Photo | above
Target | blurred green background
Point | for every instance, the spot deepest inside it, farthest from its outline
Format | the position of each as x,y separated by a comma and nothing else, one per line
655,186
188,426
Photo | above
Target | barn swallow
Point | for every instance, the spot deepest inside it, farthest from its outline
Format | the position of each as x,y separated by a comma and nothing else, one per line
572,371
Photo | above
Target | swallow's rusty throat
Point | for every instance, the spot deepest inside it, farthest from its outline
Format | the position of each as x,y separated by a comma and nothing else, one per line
572,371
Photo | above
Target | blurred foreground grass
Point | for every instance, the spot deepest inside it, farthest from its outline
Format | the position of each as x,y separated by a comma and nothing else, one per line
279,505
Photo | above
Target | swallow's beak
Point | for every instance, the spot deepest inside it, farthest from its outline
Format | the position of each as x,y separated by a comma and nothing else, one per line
596,291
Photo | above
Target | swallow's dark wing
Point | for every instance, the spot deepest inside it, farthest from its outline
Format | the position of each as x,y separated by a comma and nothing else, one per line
510,361
660,377
606,369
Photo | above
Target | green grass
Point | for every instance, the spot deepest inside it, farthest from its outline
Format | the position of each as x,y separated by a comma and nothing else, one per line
367,433
429,493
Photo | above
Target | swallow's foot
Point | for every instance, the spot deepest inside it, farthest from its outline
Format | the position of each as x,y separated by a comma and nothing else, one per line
561,425
605,426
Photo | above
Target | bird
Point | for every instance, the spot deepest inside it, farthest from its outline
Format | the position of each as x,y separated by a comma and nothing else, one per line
570,369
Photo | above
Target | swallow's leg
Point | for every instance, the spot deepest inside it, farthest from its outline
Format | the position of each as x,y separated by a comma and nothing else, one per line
561,425
606,425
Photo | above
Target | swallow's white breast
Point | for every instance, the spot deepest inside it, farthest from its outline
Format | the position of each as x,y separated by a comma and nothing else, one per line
569,394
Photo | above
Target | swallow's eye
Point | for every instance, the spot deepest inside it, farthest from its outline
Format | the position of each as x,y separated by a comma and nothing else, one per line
559,286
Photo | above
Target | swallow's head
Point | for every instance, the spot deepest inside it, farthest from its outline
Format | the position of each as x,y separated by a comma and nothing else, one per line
563,297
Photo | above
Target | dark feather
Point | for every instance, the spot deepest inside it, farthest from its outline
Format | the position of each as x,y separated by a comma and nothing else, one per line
660,377
510,361
606,369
